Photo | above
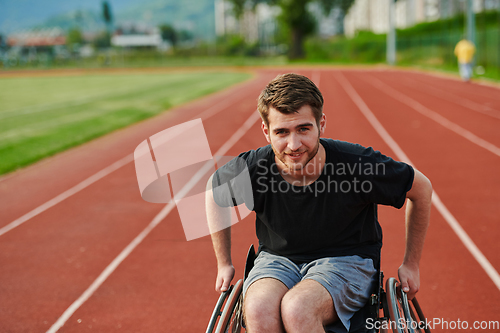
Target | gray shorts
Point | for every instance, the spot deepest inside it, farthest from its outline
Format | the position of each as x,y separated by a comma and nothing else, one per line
347,279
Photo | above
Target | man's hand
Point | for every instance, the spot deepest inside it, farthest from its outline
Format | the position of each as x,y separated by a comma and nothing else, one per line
224,276
409,277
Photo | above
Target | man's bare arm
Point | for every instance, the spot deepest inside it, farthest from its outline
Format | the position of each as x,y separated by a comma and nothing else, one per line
219,222
417,221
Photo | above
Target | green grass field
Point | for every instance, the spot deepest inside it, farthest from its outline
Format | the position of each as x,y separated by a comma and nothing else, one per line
41,116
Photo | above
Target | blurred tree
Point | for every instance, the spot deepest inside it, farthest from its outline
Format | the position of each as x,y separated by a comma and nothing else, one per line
297,20
107,16
169,33
74,37
342,5
103,40
3,45
184,35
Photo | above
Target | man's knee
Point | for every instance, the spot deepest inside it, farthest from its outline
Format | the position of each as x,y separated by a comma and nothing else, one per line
261,306
260,316
295,313
308,306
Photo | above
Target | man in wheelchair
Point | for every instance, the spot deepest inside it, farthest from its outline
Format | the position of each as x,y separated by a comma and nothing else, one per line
315,201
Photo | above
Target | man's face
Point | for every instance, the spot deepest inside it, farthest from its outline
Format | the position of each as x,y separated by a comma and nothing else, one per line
294,137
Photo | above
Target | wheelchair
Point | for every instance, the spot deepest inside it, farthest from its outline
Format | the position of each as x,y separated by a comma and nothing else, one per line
399,315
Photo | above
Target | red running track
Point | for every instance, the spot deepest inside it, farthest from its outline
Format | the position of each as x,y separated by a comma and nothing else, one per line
55,265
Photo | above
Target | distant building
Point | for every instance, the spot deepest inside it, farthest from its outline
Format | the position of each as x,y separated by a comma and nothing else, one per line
328,24
253,25
38,38
33,45
137,40
138,36
260,24
373,15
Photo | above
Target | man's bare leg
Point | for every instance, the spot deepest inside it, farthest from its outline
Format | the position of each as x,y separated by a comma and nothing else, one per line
307,307
261,306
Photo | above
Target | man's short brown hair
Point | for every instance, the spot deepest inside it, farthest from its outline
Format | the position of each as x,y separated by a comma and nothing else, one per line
287,93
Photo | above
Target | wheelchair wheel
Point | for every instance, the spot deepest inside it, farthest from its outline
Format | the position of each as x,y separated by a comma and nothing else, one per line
229,320
404,317
216,314
418,316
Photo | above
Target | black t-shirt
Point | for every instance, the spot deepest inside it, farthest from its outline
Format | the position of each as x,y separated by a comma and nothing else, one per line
334,216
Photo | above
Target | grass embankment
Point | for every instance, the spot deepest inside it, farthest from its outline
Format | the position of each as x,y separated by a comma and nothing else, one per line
117,58
41,116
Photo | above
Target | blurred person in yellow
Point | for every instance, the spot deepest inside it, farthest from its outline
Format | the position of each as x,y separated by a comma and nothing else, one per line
464,50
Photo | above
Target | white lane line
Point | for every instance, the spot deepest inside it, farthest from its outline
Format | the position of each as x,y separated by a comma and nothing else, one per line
110,269
157,219
216,108
316,77
433,115
452,221
97,176
450,97
458,85
66,194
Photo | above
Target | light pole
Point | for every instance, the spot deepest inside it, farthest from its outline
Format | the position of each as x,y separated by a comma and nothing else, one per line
391,34
471,22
